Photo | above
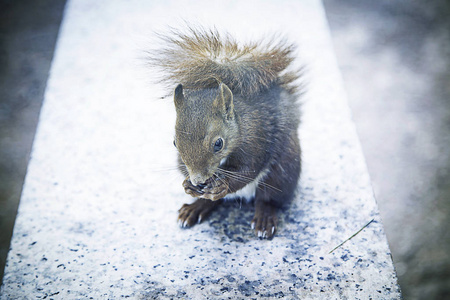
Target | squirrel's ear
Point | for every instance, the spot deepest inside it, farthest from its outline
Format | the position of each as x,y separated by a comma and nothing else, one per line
178,95
225,100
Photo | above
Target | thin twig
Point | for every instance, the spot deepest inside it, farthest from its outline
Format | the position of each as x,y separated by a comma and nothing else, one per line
351,236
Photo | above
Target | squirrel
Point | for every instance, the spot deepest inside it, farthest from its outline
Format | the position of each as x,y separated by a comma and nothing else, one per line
237,117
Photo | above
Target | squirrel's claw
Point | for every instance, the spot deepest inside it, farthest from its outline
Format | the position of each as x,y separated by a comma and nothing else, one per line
264,233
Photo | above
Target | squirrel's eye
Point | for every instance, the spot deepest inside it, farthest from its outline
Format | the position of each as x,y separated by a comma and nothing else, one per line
218,145
174,143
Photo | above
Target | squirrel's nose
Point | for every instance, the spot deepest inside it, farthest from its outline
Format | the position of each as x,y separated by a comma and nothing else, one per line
198,181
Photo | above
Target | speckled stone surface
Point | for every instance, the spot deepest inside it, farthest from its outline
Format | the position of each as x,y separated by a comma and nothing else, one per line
97,218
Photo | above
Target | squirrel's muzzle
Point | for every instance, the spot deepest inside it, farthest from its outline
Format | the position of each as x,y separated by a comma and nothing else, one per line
198,181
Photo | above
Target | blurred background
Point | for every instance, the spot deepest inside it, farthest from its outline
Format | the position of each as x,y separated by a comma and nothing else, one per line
395,62
394,57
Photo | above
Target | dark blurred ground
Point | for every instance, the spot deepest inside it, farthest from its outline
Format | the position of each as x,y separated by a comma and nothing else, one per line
395,61
28,32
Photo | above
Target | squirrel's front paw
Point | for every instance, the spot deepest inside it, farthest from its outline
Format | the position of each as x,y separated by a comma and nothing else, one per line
215,190
193,190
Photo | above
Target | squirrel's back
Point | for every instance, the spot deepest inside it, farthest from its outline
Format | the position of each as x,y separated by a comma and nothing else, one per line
202,59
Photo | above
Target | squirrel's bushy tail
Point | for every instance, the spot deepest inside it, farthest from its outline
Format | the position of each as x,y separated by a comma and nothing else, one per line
201,58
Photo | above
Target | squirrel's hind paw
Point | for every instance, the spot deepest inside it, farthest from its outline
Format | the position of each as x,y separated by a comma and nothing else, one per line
265,220
191,214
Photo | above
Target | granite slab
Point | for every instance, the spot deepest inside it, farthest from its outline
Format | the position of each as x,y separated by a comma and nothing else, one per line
97,217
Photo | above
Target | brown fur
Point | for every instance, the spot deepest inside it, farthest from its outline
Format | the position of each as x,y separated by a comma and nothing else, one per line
237,120
201,58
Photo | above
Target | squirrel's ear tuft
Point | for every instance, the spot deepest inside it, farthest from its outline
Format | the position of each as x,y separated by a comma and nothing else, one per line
225,100
178,95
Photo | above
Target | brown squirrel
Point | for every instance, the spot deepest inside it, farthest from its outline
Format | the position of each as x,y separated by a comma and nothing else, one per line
237,120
